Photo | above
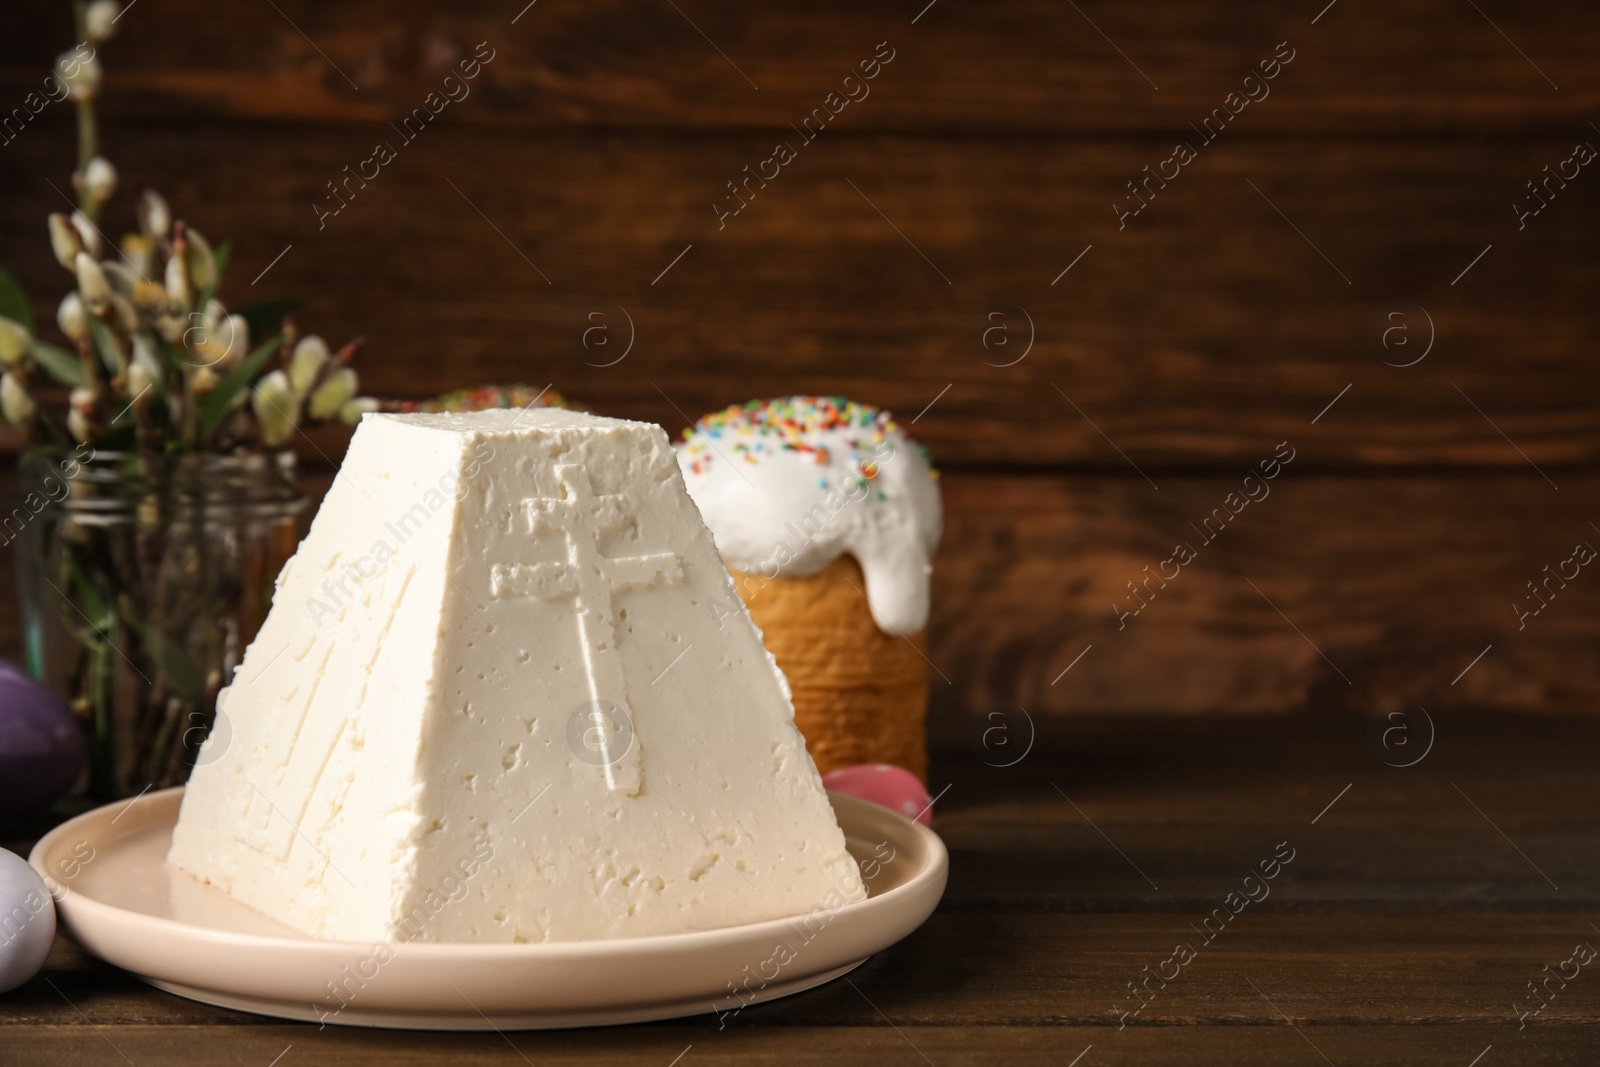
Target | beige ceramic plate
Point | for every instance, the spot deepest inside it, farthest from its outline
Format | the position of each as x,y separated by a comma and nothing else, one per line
120,901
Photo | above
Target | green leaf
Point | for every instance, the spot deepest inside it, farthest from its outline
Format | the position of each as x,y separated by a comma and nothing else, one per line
80,603
268,318
217,404
63,366
85,599
103,345
182,672
14,303
172,362
221,256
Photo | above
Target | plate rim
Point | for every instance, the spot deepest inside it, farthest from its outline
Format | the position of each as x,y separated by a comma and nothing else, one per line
443,1022
934,867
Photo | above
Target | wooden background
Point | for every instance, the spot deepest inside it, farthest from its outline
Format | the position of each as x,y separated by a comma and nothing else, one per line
1221,321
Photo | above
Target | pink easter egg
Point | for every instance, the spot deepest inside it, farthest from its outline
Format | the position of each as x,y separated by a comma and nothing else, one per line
893,787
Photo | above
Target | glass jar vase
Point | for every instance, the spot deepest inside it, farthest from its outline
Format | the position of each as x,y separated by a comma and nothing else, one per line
142,581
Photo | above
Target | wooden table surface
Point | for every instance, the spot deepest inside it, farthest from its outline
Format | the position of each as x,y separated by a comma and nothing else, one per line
1418,905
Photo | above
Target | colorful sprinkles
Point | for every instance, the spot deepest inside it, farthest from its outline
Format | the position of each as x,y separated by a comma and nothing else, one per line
758,428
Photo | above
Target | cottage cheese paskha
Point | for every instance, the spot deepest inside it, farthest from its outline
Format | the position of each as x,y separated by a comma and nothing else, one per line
493,702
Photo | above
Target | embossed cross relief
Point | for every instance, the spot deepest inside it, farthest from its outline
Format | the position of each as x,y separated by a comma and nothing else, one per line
591,580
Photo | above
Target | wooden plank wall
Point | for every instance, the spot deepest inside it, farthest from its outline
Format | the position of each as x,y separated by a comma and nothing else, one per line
1379,165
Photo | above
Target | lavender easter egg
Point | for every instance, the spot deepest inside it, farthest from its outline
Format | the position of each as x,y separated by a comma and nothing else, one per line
41,744
882,783
27,921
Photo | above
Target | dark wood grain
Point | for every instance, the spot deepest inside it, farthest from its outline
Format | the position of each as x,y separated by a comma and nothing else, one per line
997,142
1401,931
1183,348
1271,1045
1035,67
1333,592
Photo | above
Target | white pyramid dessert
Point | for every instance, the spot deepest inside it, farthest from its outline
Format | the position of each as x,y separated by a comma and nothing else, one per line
506,692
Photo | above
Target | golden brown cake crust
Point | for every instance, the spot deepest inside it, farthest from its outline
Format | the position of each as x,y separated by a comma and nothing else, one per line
860,695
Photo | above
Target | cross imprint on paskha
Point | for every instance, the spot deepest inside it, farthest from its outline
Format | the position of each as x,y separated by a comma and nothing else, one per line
592,580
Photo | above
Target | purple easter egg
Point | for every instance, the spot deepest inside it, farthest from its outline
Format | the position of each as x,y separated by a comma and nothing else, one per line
882,783
41,744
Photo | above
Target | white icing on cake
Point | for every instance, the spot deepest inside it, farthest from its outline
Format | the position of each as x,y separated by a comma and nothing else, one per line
789,485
